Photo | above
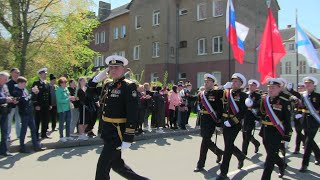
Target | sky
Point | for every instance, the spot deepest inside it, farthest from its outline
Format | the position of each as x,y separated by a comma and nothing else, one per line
308,13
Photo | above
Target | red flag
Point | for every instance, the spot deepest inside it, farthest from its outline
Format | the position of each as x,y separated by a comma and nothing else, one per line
271,49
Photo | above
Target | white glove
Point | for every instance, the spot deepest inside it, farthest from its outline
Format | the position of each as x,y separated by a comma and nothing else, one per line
249,102
294,98
125,145
219,129
101,76
289,86
257,123
254,111
227,124
298,116
286,144
228,85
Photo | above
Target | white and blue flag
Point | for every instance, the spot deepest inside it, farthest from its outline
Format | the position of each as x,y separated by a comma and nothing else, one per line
305,47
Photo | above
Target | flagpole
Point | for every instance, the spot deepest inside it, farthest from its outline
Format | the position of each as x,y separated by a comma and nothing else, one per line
269,8
229,64
297,55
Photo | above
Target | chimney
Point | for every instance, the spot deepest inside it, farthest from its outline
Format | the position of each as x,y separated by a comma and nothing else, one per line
289,26
104,10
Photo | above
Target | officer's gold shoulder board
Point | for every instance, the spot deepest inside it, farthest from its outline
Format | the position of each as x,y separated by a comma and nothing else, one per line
107,81
128,81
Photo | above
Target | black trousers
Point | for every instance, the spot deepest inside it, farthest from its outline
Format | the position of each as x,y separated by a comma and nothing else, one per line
207,144
247,138
300,137
173,118
229,136
310,145
110,157
272,143
53,117
42,117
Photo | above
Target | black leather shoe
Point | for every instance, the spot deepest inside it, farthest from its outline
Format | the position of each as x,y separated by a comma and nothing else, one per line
281,171
45,137
256,148
198,169
6,154
39,149
219,158
221,177
303,169
240,164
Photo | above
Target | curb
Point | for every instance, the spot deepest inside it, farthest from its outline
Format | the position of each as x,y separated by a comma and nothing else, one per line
98,141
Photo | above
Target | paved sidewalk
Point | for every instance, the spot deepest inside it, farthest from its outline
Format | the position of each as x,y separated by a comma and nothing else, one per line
53,142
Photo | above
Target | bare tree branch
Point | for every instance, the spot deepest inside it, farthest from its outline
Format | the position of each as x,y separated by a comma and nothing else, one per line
41,14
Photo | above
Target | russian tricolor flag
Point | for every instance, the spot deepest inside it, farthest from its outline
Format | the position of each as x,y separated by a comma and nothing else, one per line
236,33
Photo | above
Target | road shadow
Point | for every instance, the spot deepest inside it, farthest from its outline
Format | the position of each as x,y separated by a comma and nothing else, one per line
212,172
66,153
9,162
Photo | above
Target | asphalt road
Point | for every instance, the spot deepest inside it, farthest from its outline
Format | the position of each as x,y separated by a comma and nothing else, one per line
160,159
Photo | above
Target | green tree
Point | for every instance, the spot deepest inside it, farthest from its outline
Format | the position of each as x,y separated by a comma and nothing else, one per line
34,24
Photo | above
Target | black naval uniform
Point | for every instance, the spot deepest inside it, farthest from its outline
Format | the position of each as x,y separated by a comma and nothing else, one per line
120,116
251,116
310,126
272,138
230,133
208,125
297,122
42,99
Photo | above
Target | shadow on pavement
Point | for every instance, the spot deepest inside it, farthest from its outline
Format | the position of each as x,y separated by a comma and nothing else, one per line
9,162
67,154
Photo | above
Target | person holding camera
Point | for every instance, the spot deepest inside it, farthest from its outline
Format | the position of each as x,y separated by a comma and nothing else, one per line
5,99
25,107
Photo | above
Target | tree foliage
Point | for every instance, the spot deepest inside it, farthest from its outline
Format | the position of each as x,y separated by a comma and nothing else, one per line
47,33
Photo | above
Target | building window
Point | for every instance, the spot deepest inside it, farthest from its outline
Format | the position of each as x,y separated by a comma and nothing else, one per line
101,58
182,75
138,22
172,52
291,47
217,8
137,77
103,37
156,18
280,68
96,38
288,67
302,67
155,49
123,31
154,77
217,44
183,44
313,70
202,46
95,61
136,52
217,74
201,11
115,33
122,53
183,12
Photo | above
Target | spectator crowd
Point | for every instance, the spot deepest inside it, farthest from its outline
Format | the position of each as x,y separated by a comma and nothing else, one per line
69,102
